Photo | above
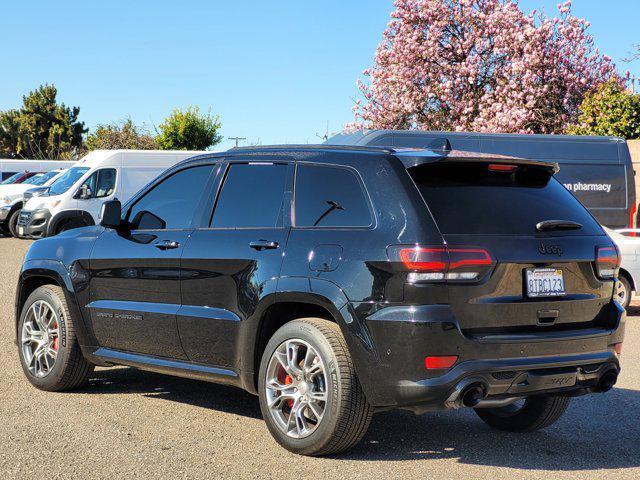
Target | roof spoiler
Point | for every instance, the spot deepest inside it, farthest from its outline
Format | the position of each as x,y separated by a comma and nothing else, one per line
413,157
442,144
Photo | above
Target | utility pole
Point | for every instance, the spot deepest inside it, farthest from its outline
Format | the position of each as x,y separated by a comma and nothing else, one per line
237,139
325,135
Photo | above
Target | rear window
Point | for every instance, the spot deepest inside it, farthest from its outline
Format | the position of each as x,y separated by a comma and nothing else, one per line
469,198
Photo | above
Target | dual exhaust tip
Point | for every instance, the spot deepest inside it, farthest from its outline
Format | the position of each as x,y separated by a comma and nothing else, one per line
475,393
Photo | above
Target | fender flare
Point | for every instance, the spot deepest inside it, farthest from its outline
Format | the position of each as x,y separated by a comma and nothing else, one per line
14,207
628,275
329,296
65,215
58,274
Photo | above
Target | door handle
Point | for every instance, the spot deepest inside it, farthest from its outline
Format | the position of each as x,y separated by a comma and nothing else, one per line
167,245
263,245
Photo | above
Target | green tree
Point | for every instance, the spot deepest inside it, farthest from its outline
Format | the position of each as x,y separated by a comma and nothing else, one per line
189,130
609,110
121,135
41,128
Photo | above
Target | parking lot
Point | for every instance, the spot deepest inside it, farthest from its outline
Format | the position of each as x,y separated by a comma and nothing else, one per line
132,424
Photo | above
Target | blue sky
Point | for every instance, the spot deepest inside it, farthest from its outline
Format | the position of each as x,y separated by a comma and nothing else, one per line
275,72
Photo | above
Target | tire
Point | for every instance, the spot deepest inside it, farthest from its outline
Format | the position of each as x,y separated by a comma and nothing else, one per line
346,415
12,223
536,413
69,370
623,291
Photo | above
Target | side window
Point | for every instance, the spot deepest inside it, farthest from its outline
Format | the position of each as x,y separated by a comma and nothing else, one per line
252,196
171,204
329,197
102,183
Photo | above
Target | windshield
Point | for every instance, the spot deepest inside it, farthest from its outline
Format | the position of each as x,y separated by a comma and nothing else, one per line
38,180
12,178
66,181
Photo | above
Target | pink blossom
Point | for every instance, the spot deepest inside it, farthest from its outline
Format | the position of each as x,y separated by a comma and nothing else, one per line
480,65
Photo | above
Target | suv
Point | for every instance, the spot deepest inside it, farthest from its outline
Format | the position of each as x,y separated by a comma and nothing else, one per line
336,281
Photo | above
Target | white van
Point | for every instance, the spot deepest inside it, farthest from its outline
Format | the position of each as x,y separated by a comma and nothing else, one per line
75,199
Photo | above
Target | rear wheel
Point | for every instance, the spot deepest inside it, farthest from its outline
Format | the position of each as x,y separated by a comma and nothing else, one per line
310,396
12,223
49,351
529,415
623,291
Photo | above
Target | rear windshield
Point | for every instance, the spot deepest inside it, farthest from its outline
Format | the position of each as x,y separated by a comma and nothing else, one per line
472,198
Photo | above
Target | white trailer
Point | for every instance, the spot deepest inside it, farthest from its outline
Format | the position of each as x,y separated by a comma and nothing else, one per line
9,166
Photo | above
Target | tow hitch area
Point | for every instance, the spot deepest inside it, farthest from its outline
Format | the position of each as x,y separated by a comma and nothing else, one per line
532,381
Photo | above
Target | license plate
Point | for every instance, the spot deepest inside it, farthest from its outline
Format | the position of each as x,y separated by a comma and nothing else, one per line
20,230
545,282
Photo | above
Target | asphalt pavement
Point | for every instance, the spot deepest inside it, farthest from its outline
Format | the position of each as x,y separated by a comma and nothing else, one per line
133,424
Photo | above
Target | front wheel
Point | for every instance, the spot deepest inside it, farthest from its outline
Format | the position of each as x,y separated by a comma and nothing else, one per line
310,396
529,415
49,351
12,223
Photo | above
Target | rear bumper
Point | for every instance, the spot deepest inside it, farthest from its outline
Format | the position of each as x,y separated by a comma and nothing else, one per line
568,362
33,224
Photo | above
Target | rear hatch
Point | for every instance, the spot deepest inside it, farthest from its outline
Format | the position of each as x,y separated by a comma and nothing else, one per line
542,243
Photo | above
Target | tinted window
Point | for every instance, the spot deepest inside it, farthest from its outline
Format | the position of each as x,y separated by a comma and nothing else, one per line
252,196
172,202
8,177
468,198
42,179
102,183
329,197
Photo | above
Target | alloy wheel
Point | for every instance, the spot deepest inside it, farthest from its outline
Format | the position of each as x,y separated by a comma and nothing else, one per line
621,293
40,338
296,388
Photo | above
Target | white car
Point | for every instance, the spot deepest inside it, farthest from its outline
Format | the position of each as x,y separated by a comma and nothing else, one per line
11,197
628,242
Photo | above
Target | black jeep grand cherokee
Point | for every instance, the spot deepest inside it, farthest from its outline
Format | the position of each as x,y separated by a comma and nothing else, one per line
336,281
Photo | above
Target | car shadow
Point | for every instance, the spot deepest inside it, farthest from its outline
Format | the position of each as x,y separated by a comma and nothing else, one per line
599,431
223,398
633,310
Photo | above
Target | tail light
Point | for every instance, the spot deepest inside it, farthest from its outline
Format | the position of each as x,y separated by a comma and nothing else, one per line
607,262
443,263
502,167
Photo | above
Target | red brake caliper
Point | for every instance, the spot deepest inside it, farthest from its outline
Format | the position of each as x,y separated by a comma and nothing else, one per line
55,341
285,378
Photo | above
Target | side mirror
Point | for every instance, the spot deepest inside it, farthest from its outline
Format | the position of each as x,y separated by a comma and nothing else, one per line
110,214
84,192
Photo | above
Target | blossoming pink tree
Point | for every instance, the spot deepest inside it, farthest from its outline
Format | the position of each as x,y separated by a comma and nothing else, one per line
480,65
